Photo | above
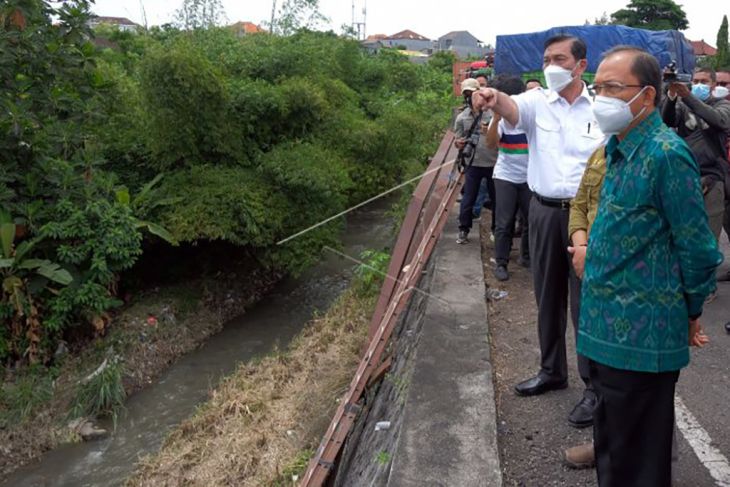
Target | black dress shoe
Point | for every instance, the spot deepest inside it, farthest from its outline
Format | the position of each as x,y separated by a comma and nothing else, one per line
539,385
727,327
582,414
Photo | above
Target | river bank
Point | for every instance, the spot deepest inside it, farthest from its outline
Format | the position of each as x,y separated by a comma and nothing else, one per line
261,424
176,394
146,336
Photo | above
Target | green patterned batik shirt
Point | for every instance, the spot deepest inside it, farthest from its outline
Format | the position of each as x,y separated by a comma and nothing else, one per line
651,255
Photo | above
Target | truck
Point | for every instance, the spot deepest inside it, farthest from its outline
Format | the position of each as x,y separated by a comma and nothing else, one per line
521,54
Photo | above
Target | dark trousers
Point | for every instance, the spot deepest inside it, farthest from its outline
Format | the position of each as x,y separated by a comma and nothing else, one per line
715,208
509,198
554,280
633,424
472,180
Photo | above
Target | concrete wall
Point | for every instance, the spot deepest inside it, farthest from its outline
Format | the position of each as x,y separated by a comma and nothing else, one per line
438,395
411,44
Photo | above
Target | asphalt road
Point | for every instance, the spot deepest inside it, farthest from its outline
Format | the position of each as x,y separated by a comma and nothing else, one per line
533,431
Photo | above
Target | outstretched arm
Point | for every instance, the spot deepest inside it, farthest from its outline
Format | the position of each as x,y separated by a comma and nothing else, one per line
500,103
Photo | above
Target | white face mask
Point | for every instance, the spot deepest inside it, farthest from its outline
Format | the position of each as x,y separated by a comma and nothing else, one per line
614,114
720,92
557,77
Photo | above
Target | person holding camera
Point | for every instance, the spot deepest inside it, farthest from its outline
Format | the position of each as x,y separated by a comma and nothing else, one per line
703,121
474,156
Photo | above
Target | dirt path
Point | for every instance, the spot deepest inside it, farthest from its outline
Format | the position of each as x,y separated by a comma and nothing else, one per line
533,431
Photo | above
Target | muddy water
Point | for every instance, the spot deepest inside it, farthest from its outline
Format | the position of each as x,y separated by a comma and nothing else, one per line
151,413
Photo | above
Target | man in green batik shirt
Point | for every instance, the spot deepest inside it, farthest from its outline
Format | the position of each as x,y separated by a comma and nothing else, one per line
650,263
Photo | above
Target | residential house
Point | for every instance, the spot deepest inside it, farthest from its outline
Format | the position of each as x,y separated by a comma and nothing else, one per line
410,40
241,29
373,43
463,44
121,23
702,48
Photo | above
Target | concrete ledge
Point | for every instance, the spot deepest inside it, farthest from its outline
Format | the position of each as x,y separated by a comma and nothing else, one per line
449,431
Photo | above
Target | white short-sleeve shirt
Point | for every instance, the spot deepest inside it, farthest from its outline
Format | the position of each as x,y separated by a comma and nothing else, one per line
561,137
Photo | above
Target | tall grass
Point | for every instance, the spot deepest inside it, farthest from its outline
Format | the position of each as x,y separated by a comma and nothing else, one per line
102,393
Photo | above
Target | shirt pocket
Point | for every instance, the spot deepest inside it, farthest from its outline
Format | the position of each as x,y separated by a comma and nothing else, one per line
593,192
547,133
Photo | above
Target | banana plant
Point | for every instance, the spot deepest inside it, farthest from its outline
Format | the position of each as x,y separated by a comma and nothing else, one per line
17,273
143,200
15,267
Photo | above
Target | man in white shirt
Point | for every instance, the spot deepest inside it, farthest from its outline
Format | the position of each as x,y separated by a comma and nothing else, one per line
562,134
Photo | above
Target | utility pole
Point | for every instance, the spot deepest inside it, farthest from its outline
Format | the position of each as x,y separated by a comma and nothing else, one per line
144,15
358,27
273,12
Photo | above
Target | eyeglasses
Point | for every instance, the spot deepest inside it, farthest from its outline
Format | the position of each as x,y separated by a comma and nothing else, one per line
610,88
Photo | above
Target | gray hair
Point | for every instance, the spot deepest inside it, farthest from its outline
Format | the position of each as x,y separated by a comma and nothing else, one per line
644,66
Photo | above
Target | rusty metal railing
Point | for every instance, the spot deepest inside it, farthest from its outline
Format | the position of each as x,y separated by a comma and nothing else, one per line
425,218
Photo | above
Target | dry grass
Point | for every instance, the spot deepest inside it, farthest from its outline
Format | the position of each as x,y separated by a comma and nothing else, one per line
259,420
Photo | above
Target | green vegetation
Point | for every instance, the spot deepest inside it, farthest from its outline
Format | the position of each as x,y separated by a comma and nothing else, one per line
19,400
295,470
651,14
722,58
102,392
372,271
184,136
383,458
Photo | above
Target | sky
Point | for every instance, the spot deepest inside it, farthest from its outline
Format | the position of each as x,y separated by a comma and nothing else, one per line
433,18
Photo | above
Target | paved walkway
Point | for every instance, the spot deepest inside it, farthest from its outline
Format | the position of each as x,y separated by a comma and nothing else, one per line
449,434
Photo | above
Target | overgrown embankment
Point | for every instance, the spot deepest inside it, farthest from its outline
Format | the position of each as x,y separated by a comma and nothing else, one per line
163,324
261,423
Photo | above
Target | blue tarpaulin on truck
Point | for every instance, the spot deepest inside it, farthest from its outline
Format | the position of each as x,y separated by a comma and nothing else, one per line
522,53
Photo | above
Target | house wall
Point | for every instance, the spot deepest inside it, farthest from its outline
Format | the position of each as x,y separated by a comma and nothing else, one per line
411,44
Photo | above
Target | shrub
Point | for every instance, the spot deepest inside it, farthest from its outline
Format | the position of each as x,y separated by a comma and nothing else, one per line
187,104
227,203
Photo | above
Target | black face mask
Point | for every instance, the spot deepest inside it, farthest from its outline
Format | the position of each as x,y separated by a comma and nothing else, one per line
467,99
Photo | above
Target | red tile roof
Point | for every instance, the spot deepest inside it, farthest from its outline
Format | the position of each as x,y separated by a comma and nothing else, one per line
247,27
408,35
702,48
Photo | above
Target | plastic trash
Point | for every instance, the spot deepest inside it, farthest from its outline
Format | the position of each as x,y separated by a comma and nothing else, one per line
496,294
382,425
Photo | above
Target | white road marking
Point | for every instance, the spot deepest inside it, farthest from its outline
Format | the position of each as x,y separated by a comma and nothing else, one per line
701,443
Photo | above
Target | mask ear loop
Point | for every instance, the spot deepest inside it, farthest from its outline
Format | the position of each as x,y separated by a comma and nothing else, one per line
636,116
632,100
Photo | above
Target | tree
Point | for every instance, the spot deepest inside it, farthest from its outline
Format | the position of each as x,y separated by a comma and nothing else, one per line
200,14
443,61
652,15
602,20
297,14
722,58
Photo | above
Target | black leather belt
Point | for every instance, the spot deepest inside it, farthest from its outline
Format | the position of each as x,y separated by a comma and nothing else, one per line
554,202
